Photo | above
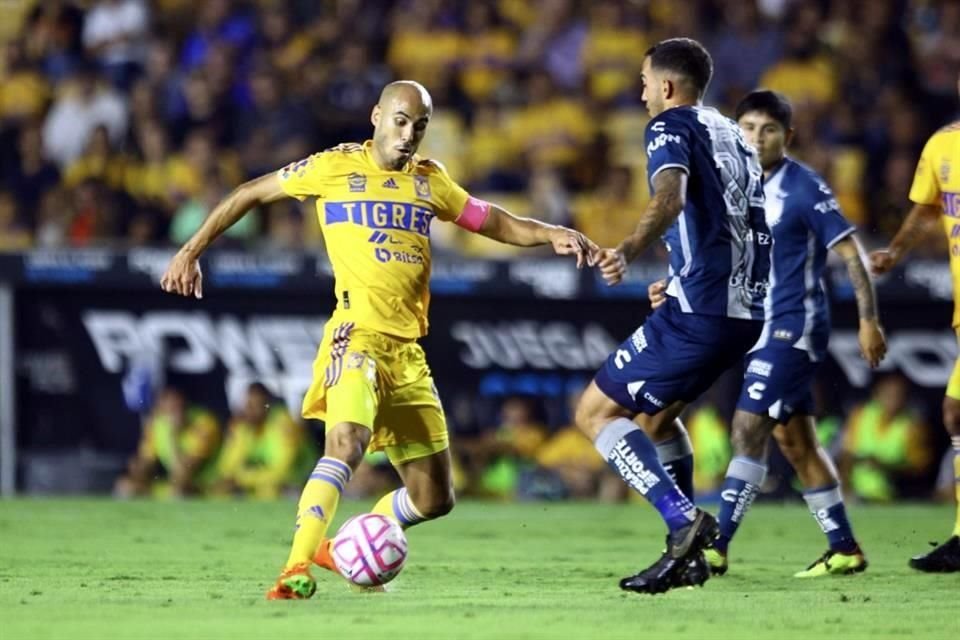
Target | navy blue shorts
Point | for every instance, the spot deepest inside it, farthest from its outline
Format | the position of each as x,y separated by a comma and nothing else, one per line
674,356
778,383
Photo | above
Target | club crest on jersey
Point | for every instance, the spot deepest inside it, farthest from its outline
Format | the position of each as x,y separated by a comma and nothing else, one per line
422,186
357,182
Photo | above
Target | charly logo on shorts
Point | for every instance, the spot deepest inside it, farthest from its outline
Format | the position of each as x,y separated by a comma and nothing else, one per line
357,182
783,334
760,368
421,185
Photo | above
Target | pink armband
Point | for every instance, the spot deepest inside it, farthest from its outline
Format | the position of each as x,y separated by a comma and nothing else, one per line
474,213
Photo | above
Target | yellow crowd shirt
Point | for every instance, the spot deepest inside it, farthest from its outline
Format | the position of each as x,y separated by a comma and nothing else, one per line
376,226
937,181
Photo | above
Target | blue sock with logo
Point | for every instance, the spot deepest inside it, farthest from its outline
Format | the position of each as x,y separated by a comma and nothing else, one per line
632,454
826,505
740,487
676,456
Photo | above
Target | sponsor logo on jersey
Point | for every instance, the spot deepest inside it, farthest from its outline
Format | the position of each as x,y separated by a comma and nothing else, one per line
421,185
944,172
783,334
380,215
298,168
357,182
760,368
639,340
657,402
827,205
662,140
390,183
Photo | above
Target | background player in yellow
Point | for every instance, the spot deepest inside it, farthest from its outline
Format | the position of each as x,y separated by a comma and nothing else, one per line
375,203
936,194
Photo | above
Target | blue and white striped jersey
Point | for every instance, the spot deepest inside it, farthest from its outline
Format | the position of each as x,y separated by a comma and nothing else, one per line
806,222
720,244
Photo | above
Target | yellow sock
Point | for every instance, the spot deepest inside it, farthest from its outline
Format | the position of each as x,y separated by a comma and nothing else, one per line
317,506
398,505
956,476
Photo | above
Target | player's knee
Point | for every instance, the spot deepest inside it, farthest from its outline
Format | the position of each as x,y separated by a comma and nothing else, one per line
951,416
347,442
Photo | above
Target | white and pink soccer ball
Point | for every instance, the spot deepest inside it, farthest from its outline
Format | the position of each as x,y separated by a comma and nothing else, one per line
369,550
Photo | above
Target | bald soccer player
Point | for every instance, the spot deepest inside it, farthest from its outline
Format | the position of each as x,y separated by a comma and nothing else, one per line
375,203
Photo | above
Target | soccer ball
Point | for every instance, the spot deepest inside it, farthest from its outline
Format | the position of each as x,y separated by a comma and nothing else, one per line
369,550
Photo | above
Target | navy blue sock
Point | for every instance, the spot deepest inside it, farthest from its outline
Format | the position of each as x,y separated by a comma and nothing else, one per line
740,487
676,456
826,505
630,453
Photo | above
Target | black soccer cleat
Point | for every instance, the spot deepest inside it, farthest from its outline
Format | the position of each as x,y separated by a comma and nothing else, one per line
943,559
682,564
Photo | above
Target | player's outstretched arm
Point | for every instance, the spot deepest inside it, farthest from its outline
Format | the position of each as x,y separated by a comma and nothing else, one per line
503,226
183,275
873,345
913,229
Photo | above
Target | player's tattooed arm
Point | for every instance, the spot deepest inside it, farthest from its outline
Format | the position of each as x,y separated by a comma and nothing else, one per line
872,342
670,194
919,221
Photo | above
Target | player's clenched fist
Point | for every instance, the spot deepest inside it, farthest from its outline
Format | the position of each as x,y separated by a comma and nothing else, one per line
882,261
183,276
657,293
612,265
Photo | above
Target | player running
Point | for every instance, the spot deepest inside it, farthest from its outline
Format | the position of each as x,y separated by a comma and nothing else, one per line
372,385
936,194
707,202
776,396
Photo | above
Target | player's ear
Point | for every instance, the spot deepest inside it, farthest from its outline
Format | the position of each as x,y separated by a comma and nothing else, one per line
788,137
375,115
668,88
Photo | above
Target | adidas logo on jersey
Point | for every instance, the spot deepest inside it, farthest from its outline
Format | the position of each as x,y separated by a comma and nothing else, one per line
390,184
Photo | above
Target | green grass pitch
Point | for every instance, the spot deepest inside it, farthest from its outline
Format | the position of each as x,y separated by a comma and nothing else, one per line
96,569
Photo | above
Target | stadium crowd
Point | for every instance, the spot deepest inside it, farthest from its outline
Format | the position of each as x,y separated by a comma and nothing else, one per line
123,121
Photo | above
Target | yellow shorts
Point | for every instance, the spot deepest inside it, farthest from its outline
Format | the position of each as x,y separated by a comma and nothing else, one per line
381,382
953,385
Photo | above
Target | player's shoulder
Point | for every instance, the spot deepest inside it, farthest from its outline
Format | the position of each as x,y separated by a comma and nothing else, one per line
430,166
945,136
801,177
669,119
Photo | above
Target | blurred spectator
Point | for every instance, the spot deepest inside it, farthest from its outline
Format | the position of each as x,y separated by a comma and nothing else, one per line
571,456
14,236
710,436
424,43
495,457
611,214
804,74
885,441
33,175
24,91
180,440
265,450
742,52
97,162
218,24
486,54
554,42
612,53
552,129
78,110
114,33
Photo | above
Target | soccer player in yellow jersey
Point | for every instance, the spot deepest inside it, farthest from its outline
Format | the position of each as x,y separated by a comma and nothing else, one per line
372,385
936,194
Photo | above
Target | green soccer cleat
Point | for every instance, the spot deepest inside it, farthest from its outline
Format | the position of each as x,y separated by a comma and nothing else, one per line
716,561
834,563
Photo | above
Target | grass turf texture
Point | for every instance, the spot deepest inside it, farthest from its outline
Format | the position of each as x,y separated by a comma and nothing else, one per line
99,569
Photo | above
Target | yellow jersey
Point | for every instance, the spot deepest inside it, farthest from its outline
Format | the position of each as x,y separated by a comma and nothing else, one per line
937,181
376,226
